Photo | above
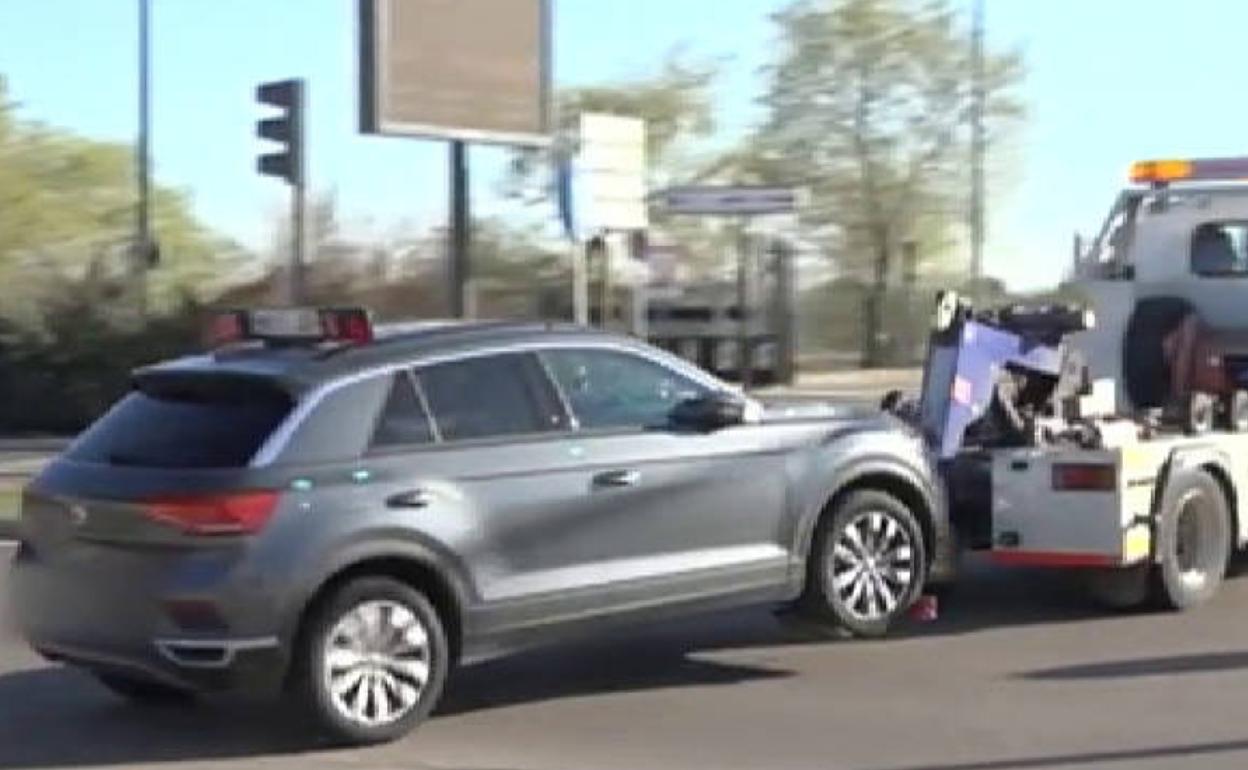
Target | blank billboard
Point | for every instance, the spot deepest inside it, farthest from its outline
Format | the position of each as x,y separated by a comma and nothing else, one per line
477,70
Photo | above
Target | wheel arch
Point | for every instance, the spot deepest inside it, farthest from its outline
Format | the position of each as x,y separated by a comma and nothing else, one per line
415,566
887,476
1212,461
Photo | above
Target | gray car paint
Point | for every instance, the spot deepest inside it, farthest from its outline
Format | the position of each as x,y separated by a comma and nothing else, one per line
517,531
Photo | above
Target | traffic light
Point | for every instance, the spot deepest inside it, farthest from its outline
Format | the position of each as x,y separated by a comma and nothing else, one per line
287,129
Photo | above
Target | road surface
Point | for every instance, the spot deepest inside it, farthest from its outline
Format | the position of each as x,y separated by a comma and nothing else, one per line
1019,672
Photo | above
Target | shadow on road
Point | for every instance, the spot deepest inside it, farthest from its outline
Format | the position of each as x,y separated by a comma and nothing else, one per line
1121,669
55,717
1185,751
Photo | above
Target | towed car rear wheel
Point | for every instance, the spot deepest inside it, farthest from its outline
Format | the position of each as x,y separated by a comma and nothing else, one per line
867,564
372,661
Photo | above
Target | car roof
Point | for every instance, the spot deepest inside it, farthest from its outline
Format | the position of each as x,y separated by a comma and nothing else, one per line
300,367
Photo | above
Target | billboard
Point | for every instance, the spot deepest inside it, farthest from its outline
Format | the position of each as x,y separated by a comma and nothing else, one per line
476,70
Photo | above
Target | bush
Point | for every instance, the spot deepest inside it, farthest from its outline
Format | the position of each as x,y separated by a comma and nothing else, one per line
57,378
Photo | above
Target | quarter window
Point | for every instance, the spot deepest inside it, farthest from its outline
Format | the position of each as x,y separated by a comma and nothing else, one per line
489,396
403,420
610,389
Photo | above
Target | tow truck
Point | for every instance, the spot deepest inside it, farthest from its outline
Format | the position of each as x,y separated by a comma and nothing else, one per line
1110,437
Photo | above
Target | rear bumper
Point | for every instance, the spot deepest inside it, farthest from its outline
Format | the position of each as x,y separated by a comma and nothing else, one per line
251,666
108,610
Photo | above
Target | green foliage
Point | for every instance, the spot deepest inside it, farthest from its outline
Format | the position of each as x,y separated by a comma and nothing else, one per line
60,375
67,208
869,105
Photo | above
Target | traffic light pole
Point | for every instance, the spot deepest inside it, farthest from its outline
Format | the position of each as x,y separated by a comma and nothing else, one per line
298,239
143,238
290,164
460,241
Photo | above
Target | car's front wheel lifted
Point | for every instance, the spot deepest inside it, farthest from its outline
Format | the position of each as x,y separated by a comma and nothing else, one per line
867,564
372,661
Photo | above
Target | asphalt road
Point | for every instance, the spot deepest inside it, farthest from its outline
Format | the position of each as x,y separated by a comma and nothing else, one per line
1019,672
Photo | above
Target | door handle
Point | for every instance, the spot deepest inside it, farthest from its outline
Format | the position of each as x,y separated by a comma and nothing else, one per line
413,498
618,478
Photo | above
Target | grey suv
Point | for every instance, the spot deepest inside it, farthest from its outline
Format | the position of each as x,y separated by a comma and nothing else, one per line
344,523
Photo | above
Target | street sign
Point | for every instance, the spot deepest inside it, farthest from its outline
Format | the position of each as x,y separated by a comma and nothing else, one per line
737,200
610,173
470,70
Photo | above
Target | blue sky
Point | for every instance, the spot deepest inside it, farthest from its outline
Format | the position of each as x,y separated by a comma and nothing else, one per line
1109,81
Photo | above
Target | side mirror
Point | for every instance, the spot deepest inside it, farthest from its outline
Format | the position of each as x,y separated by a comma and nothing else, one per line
710,412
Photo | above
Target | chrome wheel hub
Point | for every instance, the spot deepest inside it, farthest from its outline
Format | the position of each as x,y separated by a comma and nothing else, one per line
871,565
377,662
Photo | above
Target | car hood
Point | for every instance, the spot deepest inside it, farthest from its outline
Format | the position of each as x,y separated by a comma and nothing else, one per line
811,409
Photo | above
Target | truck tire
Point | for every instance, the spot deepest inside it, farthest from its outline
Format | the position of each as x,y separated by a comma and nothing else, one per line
1237,412
1121,588
1192,541
867,564
1144,364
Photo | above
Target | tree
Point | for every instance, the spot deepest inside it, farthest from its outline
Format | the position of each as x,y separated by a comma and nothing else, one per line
67,210
868,107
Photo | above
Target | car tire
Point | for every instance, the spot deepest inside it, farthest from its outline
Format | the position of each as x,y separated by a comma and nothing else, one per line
867,564
1193,541
371,661
142,692
1145,370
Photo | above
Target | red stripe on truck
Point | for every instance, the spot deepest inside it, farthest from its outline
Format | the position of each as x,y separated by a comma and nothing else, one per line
1053,559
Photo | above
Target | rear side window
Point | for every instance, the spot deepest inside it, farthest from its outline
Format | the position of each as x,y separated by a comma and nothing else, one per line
490,396
403,420
1220,249
187,425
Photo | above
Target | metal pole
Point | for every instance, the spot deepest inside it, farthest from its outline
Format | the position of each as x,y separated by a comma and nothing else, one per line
297,242
978,145
744,359
460,239
606,305
580,283
143,238
785,317
299,197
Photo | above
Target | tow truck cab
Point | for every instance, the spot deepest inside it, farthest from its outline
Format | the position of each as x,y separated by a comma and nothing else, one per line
1175,241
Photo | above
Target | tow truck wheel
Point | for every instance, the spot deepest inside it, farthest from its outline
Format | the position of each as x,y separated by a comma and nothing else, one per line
867,564
1193,541
1198,414
1237,412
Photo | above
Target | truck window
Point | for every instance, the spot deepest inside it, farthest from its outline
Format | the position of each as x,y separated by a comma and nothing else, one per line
1220,249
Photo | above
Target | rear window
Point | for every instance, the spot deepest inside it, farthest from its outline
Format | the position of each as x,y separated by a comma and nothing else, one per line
209,425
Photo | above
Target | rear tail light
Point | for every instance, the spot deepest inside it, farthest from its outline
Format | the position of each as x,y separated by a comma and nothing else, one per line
239,513
1084,477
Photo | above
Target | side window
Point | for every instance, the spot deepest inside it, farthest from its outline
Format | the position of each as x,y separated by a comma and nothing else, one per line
403,420
1220,249
610,389
489,396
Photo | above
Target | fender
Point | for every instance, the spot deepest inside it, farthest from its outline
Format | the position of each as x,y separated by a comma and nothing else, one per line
387,543
879,463
1201,456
